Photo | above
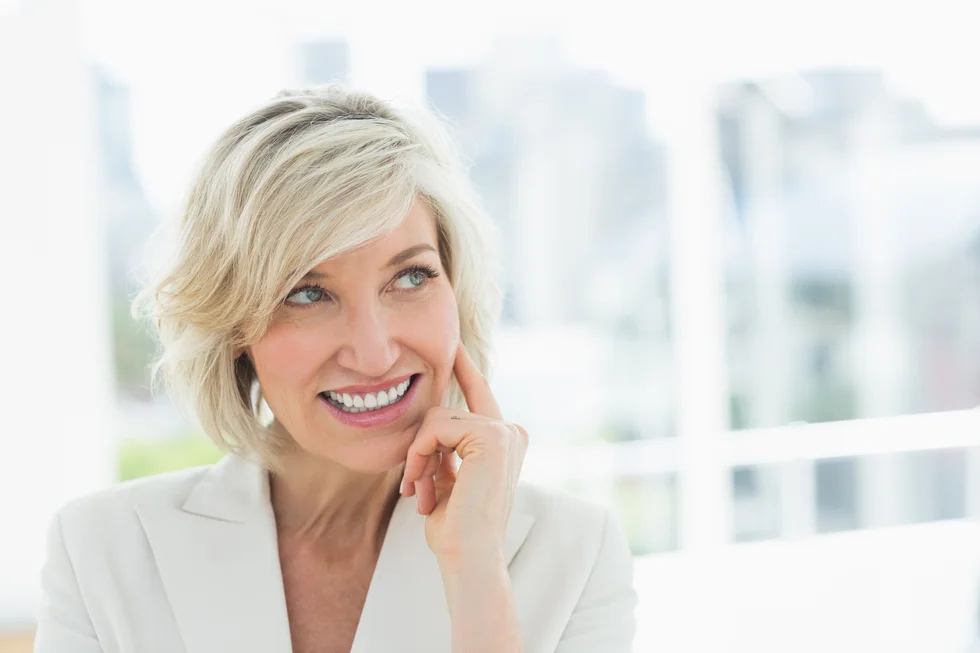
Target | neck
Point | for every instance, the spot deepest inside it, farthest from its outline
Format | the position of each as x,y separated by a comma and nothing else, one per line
318,503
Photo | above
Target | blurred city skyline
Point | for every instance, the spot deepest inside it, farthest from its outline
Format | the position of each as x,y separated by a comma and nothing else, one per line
830,302
789,219
200,75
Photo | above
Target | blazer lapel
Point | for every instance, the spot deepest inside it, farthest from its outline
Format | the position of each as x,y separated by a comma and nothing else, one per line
405,608
218,559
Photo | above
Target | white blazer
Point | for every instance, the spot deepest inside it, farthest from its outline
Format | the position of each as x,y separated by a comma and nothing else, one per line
188,562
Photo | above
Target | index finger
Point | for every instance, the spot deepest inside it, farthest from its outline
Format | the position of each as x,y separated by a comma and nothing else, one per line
475,387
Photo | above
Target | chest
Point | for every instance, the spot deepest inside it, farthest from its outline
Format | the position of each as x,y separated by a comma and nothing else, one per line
324,601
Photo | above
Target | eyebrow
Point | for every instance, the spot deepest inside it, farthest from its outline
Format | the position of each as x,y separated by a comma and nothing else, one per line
397,259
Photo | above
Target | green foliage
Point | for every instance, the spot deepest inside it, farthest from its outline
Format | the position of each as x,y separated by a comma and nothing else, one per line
139,457
133,350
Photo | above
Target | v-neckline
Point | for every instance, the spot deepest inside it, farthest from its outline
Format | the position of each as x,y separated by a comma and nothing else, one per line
217,554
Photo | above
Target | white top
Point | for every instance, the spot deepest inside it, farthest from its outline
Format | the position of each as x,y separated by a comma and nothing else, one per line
188,562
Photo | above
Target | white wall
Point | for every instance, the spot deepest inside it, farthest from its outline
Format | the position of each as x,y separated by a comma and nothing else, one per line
56,383
909,589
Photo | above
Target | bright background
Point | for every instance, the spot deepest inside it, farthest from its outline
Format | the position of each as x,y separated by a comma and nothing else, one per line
742,247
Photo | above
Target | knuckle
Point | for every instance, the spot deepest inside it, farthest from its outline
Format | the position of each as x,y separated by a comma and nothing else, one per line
508,433
514,431
494,435
522,432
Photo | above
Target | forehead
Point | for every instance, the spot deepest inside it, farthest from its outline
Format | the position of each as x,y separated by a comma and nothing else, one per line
417,228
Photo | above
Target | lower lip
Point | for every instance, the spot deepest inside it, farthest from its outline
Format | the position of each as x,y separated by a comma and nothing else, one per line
375,418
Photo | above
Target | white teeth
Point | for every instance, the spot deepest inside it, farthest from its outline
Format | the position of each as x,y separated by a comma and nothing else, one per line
355,403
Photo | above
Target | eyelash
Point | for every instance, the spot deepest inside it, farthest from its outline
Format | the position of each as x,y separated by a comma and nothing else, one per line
426,271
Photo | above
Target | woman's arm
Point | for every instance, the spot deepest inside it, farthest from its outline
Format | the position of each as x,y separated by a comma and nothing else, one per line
63,622
484,619
467,509
467,512
481,607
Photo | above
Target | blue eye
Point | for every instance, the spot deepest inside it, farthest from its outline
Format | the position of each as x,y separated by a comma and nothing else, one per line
306,296
415,277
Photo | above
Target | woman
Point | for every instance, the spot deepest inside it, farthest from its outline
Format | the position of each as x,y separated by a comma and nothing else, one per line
333,273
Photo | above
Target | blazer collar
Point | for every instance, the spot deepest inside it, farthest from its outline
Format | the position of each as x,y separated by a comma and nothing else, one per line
218,557
233,490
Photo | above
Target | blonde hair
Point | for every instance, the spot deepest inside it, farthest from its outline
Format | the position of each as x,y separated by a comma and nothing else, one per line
308,175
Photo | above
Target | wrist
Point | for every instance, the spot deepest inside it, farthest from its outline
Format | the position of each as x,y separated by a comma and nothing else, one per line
471,563
472,572
470,555
481,608
480,599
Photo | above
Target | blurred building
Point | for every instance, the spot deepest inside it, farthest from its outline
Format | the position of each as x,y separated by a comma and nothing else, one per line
324,61
855,213
797,151
452,91
130,220
566,164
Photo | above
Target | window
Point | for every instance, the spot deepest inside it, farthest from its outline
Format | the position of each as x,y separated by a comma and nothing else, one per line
741,264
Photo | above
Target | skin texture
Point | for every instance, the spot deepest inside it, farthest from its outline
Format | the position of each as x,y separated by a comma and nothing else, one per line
358,319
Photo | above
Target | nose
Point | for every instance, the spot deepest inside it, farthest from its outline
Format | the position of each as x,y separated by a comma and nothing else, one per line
369,349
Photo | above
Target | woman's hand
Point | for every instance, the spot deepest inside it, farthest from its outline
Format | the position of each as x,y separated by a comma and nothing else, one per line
467,508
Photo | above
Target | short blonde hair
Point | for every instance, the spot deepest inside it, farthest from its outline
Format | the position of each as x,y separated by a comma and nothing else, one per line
307,175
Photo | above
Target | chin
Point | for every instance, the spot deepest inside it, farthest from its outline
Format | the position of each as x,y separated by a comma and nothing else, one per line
375,455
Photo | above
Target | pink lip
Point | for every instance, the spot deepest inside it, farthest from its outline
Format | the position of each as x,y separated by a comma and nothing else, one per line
375,418
373,387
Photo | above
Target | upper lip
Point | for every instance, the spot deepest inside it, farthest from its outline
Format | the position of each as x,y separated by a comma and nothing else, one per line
372,387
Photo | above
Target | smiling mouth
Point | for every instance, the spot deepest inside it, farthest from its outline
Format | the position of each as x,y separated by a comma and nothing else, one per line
371,401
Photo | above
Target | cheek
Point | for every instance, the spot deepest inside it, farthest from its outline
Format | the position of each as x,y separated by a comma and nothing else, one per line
286,353
436,333
448,334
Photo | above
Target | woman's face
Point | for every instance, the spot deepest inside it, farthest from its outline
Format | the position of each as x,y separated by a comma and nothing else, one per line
362,347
